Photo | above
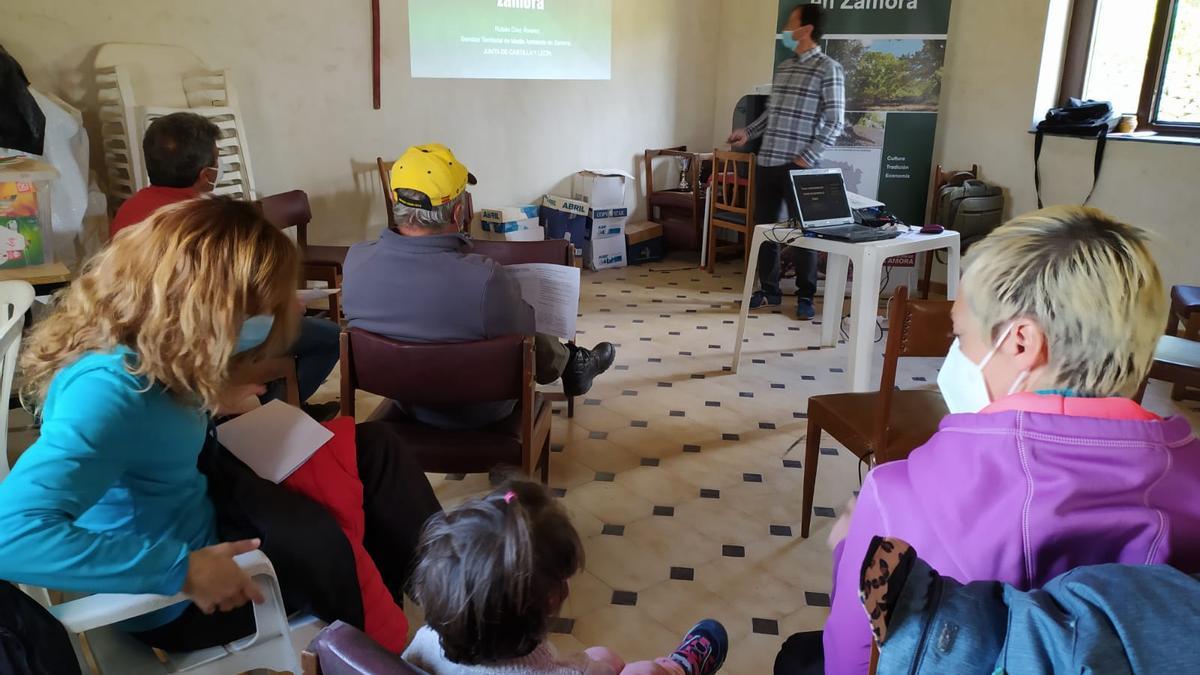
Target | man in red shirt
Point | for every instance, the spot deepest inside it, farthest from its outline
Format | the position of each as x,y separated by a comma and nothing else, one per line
181,161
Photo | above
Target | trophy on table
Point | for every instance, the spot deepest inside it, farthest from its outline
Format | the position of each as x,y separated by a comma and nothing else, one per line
685,163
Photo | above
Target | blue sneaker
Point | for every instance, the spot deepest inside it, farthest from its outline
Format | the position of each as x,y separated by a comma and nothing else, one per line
703,649
804,309
759,299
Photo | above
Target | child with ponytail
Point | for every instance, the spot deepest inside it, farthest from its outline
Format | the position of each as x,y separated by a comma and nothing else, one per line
494,571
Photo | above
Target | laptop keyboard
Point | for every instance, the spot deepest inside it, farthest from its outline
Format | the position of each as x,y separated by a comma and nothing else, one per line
853,233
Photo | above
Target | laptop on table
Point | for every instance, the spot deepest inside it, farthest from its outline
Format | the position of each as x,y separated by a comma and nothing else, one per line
821,201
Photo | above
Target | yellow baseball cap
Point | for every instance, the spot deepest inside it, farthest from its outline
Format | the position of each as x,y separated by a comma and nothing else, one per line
433,171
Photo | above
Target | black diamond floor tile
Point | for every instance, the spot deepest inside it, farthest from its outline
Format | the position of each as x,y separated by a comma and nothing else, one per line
625,598
764,626
683,574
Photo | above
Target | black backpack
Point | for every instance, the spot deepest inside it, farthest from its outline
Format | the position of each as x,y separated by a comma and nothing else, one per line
970,207
1088,119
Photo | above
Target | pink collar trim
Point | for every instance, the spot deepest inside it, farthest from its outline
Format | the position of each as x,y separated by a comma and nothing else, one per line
1073,406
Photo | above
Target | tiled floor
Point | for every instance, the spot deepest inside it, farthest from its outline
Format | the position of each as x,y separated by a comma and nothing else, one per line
676,472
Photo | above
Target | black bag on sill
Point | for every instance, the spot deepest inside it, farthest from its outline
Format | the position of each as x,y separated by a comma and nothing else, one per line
1088,119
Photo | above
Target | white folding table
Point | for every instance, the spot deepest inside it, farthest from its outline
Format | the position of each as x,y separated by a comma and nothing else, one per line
868,261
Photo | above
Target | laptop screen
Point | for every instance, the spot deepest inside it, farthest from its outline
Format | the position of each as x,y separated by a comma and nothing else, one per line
821,197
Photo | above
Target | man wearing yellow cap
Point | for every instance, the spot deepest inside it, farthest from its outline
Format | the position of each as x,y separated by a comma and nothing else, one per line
420,282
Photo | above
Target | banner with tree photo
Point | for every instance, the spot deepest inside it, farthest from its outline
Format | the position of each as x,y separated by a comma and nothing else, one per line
892,52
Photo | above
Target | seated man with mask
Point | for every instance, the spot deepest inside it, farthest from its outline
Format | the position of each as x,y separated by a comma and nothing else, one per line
182,163
420,282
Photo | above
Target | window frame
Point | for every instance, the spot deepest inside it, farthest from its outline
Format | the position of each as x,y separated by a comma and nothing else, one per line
1078,48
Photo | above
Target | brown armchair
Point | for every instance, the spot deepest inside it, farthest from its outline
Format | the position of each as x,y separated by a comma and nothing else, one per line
321,263
889,424
681,212
432,374
551,251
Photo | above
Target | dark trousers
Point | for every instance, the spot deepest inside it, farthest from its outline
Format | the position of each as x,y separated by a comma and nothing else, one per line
32,642
316,351
772,187
802,654
307,548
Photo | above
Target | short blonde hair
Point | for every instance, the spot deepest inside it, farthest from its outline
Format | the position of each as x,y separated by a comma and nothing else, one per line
175,289
1088,281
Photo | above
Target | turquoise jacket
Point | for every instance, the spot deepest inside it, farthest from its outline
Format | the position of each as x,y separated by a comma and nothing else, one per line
109,499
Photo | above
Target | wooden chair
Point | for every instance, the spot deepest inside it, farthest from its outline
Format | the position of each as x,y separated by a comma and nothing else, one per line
434,374
941,178
732,206
552,251
1185,313
888,424
671,205
321,263
1176,360
385,181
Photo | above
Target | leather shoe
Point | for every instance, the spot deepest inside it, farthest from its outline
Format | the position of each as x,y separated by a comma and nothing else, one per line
760,299
584,365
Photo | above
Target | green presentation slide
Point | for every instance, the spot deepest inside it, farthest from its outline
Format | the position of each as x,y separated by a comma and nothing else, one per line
511,39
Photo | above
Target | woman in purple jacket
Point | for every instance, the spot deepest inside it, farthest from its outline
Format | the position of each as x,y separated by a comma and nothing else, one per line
1045,464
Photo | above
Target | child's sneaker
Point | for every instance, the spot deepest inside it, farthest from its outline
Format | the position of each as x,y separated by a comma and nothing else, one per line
703,649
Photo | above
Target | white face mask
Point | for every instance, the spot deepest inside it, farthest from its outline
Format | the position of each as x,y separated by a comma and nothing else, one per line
220,175
962,383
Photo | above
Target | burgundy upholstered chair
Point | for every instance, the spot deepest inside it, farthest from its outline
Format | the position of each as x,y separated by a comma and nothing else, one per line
453,374
320,263
342,649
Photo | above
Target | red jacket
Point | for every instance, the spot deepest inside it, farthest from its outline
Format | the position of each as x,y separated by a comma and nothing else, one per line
330,478
143,204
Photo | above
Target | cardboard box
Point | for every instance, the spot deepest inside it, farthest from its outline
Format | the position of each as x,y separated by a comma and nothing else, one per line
508,214
565,219
606,253
603,223
533,232
643,243
601,189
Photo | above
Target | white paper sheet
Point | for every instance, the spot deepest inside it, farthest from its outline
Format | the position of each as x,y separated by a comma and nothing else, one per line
553,292
308,295
858,201
273,440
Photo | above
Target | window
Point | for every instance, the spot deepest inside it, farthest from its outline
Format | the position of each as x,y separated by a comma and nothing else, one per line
1143,55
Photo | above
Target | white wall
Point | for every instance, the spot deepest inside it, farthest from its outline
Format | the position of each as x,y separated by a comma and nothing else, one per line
746,56
302,69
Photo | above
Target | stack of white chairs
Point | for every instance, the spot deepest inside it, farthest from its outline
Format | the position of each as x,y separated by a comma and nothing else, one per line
137,84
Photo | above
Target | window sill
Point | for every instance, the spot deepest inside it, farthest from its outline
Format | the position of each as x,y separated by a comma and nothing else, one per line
1138,137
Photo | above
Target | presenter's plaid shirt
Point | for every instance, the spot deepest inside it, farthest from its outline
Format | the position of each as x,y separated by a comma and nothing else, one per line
804,113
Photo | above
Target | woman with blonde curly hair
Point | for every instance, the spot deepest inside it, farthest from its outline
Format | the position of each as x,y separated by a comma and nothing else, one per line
154,338
1045,462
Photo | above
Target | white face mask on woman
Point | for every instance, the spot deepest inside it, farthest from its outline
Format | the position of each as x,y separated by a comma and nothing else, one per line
962,383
